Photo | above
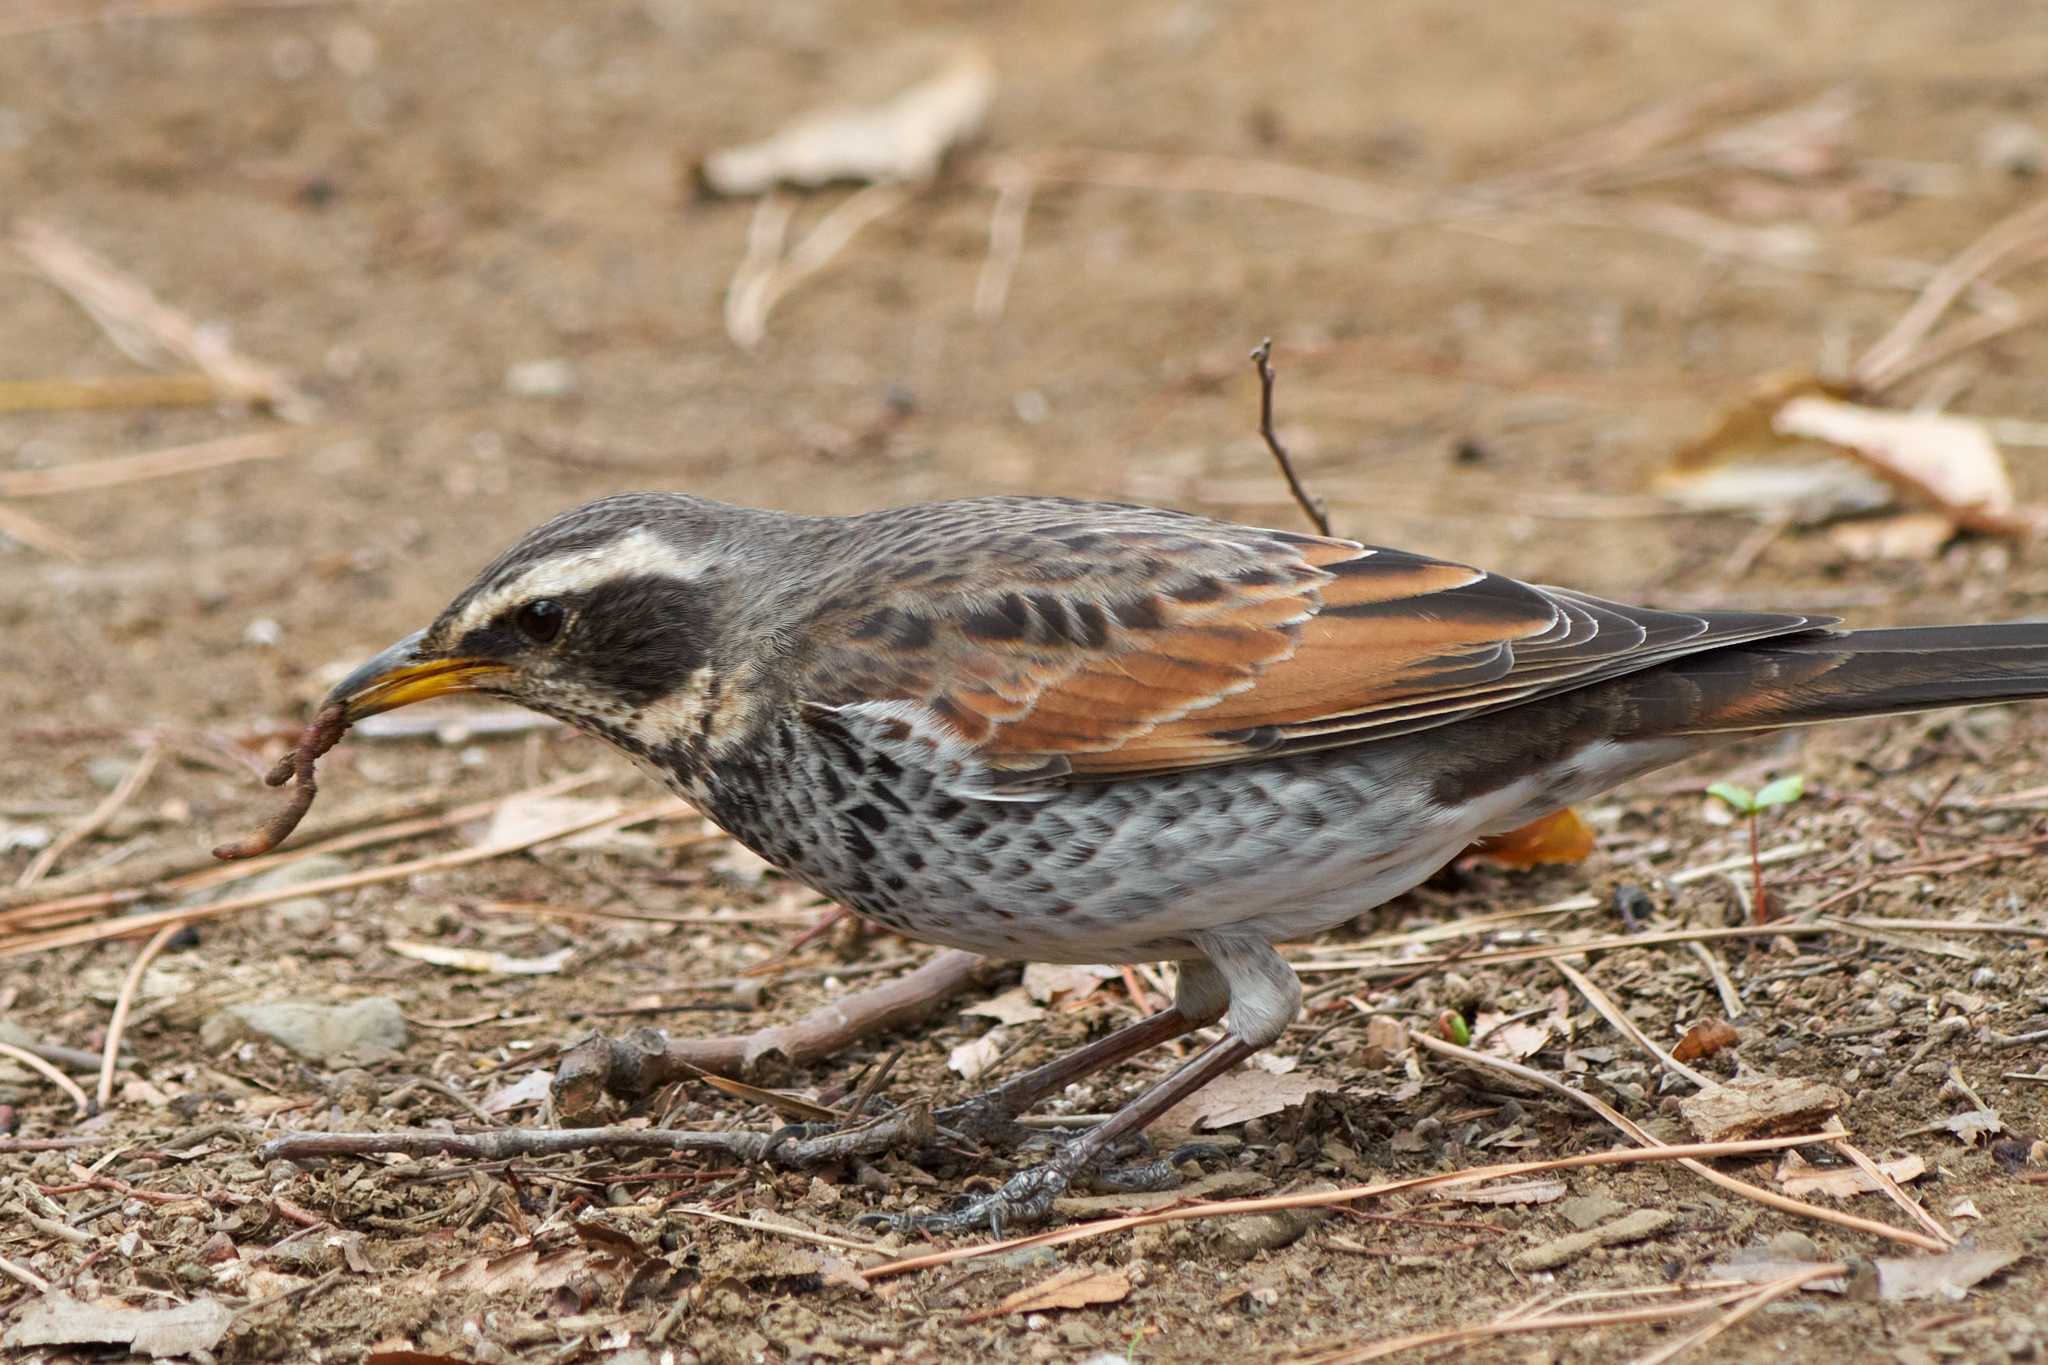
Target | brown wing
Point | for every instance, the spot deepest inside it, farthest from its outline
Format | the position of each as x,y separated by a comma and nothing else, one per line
1119,648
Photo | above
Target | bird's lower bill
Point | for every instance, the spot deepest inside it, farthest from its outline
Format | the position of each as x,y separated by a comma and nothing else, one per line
400,676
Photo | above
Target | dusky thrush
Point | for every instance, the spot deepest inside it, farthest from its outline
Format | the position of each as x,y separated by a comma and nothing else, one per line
1082,732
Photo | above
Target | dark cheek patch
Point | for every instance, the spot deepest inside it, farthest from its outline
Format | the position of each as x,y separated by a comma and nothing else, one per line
638,638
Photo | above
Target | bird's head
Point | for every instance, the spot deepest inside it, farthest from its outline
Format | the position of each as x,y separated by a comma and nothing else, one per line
606,617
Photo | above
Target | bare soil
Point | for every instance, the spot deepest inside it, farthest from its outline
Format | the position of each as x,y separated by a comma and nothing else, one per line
399,204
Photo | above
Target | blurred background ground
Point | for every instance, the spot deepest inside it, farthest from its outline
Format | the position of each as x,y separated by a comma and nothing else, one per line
468,231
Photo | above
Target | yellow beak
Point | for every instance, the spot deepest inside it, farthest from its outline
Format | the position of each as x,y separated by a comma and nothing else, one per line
402,675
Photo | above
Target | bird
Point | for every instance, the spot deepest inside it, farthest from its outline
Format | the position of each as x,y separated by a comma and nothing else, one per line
1069,731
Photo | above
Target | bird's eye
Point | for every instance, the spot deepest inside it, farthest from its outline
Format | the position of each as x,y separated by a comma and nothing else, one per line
540,620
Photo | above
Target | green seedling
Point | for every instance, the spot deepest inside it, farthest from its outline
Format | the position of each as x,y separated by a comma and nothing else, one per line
1750,805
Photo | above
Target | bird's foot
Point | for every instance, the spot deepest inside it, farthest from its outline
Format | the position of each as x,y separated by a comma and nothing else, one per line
1027,1197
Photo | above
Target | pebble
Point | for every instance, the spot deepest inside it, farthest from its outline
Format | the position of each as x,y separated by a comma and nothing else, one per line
316,1031
1632,1228
2016,148
552,377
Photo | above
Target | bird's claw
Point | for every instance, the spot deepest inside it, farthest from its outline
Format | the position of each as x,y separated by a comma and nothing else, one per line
1024,1199
1027,1197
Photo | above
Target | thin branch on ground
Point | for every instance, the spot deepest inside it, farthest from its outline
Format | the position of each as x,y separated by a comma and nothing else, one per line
1628,1126
1766,1294
1005,244
1321,1199
49,1073
647,1059
118,470
1312,507
123,792
1892,356
127,925
1616,1016
901,1128
38,534
148,329
131,986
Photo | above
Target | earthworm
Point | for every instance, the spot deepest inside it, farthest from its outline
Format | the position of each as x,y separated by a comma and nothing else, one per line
322,733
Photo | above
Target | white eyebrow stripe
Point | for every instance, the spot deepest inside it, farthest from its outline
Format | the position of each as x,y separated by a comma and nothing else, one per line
638,553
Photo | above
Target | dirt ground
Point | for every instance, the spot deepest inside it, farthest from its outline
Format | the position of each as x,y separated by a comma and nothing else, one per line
467,230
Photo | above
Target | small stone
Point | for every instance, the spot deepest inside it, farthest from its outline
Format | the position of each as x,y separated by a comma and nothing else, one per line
107,772
552,377
1589,1209
319,1032
1792,1246
2013,147
263,633
1249,1234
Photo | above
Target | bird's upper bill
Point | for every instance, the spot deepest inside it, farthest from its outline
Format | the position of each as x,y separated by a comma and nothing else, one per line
406,673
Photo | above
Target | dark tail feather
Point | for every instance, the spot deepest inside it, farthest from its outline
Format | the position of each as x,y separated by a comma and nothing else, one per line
1807,679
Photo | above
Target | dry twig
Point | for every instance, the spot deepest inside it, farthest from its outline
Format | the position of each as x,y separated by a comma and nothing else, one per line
647,1059
1312,507
146,328
131,985
899,1128
49,1073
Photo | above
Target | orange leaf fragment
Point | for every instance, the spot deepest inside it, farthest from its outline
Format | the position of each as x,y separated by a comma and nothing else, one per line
1075,1287
1559,838
1704,1039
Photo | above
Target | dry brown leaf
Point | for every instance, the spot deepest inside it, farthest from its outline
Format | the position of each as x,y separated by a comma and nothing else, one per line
529,816
519,1271
902,139
1240,1096
1013,1006
1543,1190
1561,837
1704,1039
1074,1287
481,960
1742,463
1795,449
977,1055
1903,535
1047,981
1948,463
1938,1277
186,1329
1760,1108
1801,1180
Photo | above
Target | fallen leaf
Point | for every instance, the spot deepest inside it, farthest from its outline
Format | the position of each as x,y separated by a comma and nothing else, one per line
527,817
1047,981
1848,1180
1239,1096
1948,463
1796,450
1561,837
405,1357
1759,1107
902,139
57,1319
977,1055
530,1089
1704,1039
515,1271
1938,1277
1075,1287
1903,535
1540,1191
1742,463
1521,1039
484,961
1013,1006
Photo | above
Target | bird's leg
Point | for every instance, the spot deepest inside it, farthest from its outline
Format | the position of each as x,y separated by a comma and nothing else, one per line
990,1114
1264,997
